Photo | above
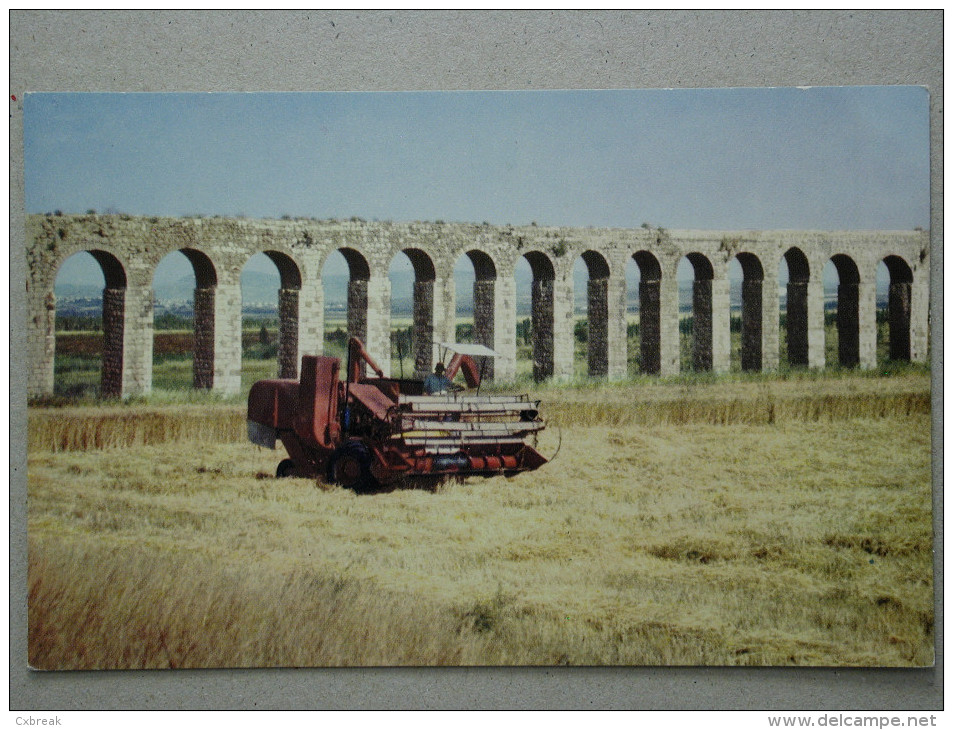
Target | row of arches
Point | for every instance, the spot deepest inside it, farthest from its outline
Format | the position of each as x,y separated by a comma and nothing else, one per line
644,277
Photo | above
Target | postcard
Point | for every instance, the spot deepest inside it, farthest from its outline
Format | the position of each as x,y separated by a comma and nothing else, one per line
516,378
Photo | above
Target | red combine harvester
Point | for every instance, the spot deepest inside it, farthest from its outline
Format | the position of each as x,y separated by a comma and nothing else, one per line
367,433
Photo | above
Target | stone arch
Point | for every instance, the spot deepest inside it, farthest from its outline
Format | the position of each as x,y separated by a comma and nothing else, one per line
650,311
899,297
203,318
796,324
205,276
597,313
114,318
113,321
483,267
421,341
49,239
848,310
752,287
543,317
288,269
113,271
484,304
704,274
289,291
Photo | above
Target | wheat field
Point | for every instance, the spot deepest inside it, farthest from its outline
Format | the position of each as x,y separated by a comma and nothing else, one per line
689,524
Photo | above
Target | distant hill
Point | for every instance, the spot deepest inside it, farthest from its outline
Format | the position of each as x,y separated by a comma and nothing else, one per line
79,291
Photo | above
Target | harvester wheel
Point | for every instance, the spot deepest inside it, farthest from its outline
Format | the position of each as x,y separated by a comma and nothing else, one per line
351,468
285,468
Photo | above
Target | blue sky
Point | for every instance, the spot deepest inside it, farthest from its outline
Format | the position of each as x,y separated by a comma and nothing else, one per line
819,158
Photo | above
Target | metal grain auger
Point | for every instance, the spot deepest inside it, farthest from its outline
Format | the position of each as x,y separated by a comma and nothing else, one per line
367,433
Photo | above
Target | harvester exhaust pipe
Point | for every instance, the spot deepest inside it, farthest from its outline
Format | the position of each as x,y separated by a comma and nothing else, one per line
355,354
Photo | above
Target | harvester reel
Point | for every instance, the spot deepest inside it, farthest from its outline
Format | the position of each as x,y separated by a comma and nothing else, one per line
558,446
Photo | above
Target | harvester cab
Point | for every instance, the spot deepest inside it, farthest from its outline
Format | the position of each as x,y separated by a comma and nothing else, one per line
368,433
464,358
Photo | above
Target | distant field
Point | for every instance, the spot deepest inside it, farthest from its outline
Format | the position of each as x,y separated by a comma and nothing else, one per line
728,522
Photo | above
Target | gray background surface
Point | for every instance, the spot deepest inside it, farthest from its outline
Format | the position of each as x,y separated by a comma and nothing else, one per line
427,50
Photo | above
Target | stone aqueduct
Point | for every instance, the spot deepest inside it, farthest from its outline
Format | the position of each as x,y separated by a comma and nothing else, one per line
129,248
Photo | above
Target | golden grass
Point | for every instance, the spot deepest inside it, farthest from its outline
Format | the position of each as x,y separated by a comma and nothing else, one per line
726,403
91,427
801,542
723,402
234,616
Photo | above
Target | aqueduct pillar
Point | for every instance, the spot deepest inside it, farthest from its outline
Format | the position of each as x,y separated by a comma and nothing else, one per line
41,343
140,243
288,313
720,322
752,323
618,352
919,320
444,317
867,321
137,340
484,320
563,323
423,327
228,338
310,317
816,344
505,327
770,312
669,336
378,320
597,312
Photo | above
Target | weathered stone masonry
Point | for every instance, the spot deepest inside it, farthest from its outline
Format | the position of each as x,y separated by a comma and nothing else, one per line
597,312
484,306
129,249
203,375
423,340
114,310
288,333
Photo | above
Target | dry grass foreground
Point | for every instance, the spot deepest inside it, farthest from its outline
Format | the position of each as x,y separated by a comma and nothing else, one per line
794,541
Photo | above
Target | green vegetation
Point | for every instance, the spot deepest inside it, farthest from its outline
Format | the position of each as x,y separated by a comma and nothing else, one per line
79,323
170,321
77,365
